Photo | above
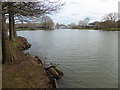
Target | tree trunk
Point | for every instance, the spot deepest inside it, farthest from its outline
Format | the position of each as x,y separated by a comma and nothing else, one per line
4,42
11,22
13,33
11,28
14,29
7,53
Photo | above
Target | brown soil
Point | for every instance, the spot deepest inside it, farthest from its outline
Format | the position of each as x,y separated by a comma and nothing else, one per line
24,72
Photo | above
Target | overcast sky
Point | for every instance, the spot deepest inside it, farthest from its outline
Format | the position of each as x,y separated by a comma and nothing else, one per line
75,10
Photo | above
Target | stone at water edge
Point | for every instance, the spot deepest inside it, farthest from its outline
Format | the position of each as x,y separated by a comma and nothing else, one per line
54,84
56,68
39,61
27,54
54,72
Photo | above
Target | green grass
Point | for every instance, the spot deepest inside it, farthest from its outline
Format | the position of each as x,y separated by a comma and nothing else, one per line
23,29
112,29
107,29
15,43
90,28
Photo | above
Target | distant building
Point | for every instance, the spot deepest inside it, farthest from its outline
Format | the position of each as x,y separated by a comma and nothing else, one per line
60,26
95,24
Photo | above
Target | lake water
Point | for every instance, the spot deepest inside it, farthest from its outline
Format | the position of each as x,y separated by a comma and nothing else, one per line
88,58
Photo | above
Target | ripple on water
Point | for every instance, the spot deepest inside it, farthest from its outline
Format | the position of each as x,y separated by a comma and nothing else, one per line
88,59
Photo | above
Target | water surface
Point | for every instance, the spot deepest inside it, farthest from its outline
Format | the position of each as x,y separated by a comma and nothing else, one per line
88,58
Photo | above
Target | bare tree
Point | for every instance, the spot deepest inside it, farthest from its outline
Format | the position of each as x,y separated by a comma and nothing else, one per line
29,9
110,17
47,22
109,20
25,9
84,23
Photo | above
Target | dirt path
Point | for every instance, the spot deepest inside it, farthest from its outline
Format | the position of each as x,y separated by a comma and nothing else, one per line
24,72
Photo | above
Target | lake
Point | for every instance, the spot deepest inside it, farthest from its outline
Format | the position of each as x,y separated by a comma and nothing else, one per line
88,58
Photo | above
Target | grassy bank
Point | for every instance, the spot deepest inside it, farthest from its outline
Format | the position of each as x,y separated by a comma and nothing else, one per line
111,29
107,29
23,29
24,71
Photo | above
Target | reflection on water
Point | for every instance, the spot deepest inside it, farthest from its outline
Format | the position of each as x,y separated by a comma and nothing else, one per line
88,59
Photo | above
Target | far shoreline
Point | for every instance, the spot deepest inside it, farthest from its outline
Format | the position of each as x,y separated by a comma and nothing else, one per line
104,29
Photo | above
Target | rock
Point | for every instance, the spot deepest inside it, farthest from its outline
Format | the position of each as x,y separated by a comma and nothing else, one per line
54,72
24,47
29,44
61,73
39,61
53,82
27,54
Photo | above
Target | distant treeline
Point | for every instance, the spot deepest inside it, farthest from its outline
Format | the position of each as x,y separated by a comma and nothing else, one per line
48,25
33,26
108,22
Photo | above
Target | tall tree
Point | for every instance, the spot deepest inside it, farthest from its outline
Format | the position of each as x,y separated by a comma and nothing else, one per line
7,54
47,22
29,9
26,9
11,20
4,37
